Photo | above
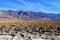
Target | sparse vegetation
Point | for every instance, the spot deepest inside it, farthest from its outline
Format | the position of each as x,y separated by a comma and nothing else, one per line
30,26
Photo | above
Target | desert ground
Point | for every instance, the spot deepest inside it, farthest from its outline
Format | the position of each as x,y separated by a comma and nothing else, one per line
29,30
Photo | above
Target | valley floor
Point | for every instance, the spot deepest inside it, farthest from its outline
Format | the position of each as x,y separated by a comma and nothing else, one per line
29,30
49,37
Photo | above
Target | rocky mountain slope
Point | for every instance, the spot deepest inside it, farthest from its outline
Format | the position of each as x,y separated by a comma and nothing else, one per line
28,15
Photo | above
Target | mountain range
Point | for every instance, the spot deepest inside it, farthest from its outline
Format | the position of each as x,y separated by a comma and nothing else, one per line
28,15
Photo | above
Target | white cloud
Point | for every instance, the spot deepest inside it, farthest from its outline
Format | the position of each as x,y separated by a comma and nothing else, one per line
56,4
2,8
25,3
36,6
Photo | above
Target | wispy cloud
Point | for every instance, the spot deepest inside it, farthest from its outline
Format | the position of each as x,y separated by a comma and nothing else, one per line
25,3
54,3
36,6
32,6
2,8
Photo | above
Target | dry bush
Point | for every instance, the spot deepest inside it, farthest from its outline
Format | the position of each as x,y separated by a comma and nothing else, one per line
31,26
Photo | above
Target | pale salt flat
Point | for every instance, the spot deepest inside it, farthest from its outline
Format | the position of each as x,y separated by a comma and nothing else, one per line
37,39
7,37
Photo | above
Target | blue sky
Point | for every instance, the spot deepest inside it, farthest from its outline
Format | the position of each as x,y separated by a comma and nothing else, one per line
49,6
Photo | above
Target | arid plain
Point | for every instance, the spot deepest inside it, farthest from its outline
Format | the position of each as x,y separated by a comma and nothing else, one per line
29,29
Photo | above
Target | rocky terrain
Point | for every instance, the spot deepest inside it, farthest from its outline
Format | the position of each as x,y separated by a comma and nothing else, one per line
28,25
28,15
29,30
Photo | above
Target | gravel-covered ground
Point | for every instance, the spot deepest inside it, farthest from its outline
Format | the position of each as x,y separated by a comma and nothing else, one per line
29,31
17,37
